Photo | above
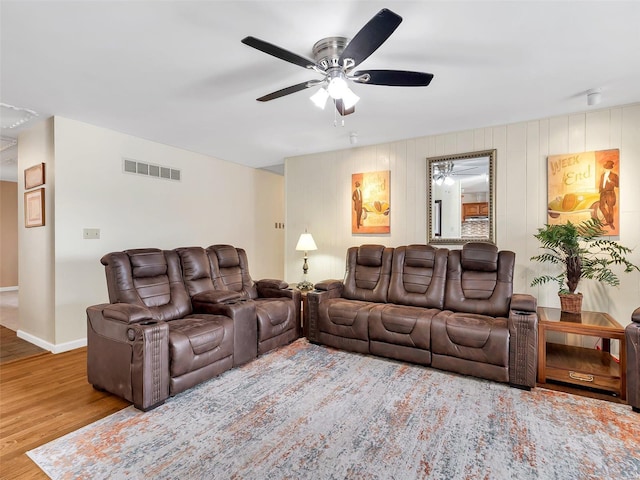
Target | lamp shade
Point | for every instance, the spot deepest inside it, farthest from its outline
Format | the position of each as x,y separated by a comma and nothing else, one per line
306,243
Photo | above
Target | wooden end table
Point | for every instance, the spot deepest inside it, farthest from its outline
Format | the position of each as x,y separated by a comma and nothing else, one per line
303,330
577,365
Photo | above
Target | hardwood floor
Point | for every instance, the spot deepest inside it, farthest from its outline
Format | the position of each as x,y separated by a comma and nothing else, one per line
42,398
13,348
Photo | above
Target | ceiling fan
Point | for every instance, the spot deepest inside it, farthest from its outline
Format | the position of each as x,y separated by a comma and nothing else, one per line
336,57
443,172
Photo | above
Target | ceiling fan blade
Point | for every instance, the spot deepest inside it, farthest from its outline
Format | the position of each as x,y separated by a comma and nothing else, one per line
278,52
288,90
370,37
343,111
393,78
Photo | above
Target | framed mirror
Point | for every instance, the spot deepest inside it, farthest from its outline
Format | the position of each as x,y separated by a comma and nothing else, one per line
461,198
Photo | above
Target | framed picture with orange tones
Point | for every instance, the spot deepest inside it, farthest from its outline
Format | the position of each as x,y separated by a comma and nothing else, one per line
370,200
34,208
585,185
34,176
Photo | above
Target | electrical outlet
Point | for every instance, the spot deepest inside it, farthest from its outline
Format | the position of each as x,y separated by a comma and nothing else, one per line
91,233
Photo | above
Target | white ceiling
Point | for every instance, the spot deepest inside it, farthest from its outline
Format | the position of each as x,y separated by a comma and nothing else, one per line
176,72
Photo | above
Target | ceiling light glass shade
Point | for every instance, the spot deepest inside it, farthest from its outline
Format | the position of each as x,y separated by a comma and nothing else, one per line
337,87
306,243
319,98
440,180
449,181
13,117
349,99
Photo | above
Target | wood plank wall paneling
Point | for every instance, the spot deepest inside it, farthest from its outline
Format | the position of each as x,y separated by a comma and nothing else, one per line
318,195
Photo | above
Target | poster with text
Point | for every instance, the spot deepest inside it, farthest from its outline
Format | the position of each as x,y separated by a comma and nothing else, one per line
585,185
370,203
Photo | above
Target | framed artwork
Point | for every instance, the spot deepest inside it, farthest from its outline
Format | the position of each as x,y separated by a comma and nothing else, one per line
34,176
584,185
370,199
34,208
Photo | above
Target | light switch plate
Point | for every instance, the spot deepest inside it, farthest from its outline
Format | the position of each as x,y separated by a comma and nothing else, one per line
91,233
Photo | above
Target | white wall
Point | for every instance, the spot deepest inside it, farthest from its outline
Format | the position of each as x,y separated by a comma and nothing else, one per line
36,244
215,202
318,195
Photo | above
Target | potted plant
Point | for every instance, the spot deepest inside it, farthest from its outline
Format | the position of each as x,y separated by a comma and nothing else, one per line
581,253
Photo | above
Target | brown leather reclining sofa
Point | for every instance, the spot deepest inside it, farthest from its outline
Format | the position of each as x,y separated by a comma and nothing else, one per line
632,334
179,317
453,310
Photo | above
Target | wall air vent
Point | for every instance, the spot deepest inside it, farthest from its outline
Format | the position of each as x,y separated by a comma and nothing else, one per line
150,170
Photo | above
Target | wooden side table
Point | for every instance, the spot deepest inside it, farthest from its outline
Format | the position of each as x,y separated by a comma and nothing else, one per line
580,366
303,329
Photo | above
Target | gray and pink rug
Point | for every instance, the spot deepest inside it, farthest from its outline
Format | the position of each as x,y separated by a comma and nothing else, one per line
305,411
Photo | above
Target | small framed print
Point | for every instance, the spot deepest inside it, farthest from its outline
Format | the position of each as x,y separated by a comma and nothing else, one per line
34,176
34,208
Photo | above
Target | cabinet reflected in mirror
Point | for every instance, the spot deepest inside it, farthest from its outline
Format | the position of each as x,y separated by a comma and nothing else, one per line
461,198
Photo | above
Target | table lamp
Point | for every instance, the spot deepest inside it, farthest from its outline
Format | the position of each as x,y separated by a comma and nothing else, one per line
305,244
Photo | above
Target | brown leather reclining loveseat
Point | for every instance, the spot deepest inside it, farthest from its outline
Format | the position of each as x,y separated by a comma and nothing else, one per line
179,317
453,310
632,334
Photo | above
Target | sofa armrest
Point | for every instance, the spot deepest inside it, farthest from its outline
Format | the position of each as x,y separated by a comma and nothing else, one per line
314,299
523,302
126,313
632,337
245,327
215,296
277,288
523,347
272,283
327,285
130,360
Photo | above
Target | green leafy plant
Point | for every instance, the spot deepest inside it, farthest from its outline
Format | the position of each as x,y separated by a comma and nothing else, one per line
581,253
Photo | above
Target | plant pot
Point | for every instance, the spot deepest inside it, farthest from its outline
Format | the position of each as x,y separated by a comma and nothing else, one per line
571,302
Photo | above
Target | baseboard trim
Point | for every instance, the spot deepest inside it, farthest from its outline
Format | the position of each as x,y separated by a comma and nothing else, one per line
53,348
8,289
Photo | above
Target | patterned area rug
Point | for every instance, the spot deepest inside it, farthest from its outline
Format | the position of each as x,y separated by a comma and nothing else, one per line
306,411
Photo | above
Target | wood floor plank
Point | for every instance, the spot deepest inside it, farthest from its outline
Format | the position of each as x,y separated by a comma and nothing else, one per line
15,348
41,399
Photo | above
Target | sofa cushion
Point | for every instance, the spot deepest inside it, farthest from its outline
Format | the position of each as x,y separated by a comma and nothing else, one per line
418,276
482,257
199,340
345,318
368,273
402,325
147,262
478,338
479,290
227,256
275,316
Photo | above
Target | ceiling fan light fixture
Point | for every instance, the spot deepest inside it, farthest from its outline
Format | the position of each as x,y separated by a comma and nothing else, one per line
319,98
349,98
337,85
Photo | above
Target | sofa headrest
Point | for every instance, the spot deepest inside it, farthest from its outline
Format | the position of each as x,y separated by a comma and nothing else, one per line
195,264
482,257
370,255
227,256
147,262
419,256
